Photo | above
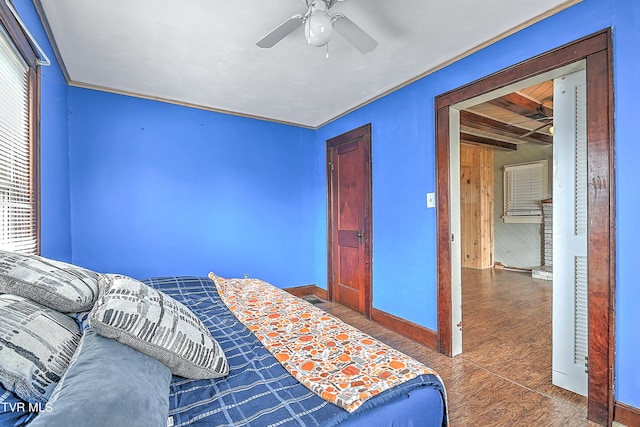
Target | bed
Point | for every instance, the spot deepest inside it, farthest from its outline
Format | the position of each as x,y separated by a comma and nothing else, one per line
278,349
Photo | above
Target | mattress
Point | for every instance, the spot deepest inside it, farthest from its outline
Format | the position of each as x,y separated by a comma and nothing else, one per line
260,392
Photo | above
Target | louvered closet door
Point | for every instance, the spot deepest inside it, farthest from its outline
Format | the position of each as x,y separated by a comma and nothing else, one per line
570,233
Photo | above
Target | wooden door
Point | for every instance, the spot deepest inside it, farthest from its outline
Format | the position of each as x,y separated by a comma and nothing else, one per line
349,211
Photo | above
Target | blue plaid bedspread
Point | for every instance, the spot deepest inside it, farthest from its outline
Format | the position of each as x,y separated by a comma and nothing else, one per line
258,391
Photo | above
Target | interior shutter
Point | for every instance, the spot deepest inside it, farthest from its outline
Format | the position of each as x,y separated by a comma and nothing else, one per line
17,196
570,243
580,227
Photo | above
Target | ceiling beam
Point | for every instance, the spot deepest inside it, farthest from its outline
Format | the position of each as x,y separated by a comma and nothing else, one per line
482,123
523,106
475,139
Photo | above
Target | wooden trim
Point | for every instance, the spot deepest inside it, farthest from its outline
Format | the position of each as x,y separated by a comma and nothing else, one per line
609,120
307,290
88,86
565,55
301,291
321,293
596,50
443,232
601,237
14,30
625,414
26,50
330,204
424,336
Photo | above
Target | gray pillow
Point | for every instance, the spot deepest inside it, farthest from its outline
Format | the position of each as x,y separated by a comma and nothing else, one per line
55,284
109,384
36,345
156,325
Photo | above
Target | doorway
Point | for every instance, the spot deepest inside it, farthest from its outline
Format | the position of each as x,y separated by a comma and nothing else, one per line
595,50
508,146
349,214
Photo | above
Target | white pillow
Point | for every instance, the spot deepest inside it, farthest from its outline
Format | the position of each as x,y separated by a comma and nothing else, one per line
157,325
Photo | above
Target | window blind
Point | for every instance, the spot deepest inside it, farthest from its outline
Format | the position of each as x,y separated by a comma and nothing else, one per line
525,185
18,230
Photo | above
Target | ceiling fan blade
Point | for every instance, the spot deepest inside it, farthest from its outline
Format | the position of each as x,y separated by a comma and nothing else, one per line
532,131
354,34
281,31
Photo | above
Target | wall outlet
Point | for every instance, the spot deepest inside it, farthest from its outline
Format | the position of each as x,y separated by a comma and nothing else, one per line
431,200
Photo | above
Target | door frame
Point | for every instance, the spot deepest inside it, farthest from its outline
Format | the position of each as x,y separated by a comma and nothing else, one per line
596,51
363,132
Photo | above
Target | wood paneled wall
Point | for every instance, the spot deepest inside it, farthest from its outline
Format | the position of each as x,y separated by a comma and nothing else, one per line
476,206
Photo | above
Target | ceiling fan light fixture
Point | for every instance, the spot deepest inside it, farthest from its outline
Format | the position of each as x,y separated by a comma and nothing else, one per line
318,27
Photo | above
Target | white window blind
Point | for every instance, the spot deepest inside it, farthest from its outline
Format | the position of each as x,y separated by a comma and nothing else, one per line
525,186
17,196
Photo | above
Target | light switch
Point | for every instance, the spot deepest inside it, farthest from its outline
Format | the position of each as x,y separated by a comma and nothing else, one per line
431,200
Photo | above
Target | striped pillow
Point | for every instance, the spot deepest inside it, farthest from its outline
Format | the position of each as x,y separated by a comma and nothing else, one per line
157,325
36,346
55,284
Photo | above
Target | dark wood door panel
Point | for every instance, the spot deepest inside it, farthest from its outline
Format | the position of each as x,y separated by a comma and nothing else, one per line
350,275
348,146
350,238
350,182
349,200
349,297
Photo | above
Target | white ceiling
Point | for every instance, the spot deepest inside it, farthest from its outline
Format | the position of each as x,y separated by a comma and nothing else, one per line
203,52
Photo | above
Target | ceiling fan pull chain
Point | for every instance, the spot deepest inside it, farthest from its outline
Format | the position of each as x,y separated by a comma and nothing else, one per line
327,55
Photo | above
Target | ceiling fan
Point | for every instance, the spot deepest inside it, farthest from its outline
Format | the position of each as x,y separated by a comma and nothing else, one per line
318,27
548,123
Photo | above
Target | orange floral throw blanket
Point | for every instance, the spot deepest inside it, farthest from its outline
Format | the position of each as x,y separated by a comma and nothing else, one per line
334,360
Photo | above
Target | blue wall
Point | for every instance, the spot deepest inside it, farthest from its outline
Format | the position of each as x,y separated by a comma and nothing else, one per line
626,56
404,233
404,265
161,189
404,230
